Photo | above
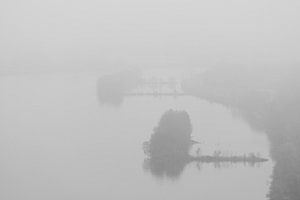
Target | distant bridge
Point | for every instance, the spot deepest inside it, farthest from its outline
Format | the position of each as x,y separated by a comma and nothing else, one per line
160,82
157,94
158,88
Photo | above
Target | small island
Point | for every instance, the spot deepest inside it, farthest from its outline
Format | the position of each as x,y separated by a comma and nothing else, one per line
168,149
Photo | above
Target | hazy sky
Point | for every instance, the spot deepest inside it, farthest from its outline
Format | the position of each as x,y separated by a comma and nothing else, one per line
40,34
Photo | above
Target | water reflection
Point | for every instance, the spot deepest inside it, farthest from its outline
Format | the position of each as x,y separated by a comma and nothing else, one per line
169,147
52,131
113,88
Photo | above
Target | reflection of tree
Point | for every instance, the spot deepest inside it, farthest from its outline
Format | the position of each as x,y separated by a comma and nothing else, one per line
169,145
165,167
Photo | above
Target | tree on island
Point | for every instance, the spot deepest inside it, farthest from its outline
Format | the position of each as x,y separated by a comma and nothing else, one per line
169,145
172,137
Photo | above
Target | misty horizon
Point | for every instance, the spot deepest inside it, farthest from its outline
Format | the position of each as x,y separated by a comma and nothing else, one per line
117,99
72,35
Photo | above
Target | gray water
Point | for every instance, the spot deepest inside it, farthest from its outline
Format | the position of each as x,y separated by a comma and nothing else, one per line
58,141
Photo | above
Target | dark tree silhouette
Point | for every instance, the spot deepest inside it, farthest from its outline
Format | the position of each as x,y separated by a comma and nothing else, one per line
172,136
169,145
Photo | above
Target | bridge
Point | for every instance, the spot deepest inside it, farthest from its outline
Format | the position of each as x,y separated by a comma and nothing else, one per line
157,88
156,94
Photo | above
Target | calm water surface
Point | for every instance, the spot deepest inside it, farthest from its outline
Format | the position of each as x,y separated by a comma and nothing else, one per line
57,141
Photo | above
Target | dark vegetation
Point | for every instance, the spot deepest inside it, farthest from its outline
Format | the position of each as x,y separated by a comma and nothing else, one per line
168,149
111,88
169,145
269,101
172,137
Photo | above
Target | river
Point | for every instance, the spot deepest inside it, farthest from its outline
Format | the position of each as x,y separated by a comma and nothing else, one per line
58,141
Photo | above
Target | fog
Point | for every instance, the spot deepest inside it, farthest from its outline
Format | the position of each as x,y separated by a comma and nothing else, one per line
77,35
117,99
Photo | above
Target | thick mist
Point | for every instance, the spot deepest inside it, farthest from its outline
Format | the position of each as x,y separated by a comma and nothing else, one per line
161,99
87,35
